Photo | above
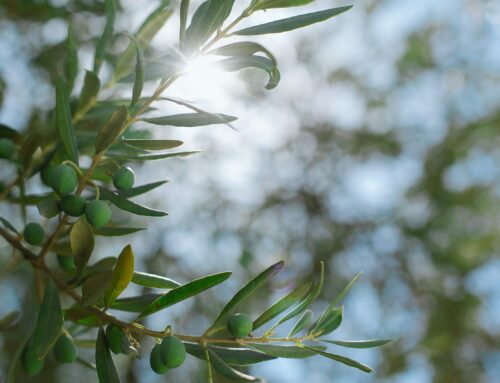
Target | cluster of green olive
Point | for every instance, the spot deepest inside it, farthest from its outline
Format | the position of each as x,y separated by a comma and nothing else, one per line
63,180
64,351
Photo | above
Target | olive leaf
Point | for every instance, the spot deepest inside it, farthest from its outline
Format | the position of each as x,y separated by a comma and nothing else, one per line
107,35
268,4
234,356
111,130
117,231
339,358
234,64
242,295
88,94
225,370
132,207
95,286
184,292
152,144
122,275
183,21
291,23
64,121
135,304
153,281
82,244
358,343
302,322
49,323
138,190
106,370
191,119
153,157
8,225
291,352
328,322
71,65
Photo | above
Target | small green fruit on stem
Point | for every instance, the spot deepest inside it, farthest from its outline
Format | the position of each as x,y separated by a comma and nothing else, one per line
156,362
114,337
7,148
73,205
63,179
240,325
64,349
31,364
124,178
98,213
34,234
172,352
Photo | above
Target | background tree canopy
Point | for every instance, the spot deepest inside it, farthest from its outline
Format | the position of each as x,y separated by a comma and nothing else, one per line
377,153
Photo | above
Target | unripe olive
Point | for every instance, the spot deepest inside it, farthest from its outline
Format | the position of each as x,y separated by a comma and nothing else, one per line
46,175
30,362
240,325
172,352
155,361
124,178
114,337
64,349
98,213
63,179
48,208
34,234
6,148
73,205
67,262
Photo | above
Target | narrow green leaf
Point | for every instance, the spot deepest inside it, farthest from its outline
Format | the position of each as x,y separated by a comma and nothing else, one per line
132,207
328,322
122,275
153,144
303,321
290,352
64,122
8,225
344,292
309,298
225,370
154,281
71,65
154,157
117,231
281,305
342,359
372,343
95,286
88,95
184,292
206,20
9,320
141,189
111,130
107,35
268,4
14,362
183,21
145,34
50,321
135,304
233,356
81,315
243,48
191,119
106,370
139,73
234,64
243,294
291,23
82,244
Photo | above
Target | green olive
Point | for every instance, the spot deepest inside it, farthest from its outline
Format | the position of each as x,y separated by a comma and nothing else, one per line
240,325
124,178
63,179
48,208
32,365
67,262
156,362
114,337
73,205
7,148
34,234
64,349
172,352
98,213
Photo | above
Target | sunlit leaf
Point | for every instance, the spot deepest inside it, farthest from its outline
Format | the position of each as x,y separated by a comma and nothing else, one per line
268,4
183,21
49,323
234,356
64,121
358,343
243,48
184,292
244,293
191,119
154,281
282,305
342,359
234,64
106,370
302,322
107,35
225,370
122,274
82,244
95,286
111,130
291,23
153,144
132,207
154,157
